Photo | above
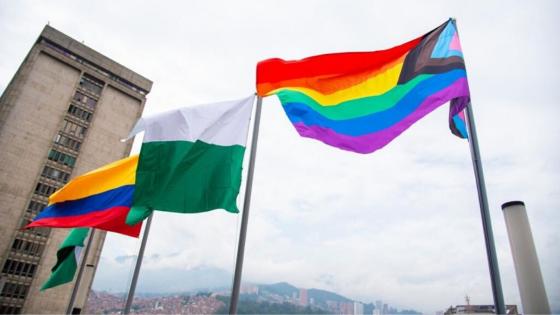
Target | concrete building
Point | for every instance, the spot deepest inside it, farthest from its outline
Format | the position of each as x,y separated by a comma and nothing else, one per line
62,114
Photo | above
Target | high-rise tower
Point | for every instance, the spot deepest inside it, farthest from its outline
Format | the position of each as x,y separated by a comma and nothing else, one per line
62,114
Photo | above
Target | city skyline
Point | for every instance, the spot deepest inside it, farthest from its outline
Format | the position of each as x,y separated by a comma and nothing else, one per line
401,224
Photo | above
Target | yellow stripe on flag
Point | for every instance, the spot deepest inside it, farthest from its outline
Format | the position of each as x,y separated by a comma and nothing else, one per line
110,176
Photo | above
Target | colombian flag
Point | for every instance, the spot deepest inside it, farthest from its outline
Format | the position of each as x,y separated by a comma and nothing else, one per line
99,199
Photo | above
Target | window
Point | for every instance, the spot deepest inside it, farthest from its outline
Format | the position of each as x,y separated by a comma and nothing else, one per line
80,113
27,247
91,84
18,268
61,158
55,174
38,231
67,142
35,206
6,309
91,103
44,189
80,97
14,290
85,100
74,129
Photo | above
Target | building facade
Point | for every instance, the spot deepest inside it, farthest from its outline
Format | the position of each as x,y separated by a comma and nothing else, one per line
358,308
62,114
479,309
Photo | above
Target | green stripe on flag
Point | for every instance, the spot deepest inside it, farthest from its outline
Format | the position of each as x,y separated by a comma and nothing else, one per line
188,177
67,259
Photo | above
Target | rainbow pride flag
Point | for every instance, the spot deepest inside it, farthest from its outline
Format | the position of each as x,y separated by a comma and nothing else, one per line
361,101
99,199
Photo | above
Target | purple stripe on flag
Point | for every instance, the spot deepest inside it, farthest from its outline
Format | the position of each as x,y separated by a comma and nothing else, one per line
374,141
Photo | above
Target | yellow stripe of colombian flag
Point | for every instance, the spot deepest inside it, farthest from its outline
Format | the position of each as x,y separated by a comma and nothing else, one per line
117,174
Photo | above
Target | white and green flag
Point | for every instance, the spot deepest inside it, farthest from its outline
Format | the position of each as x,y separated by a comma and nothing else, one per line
191,158
67,258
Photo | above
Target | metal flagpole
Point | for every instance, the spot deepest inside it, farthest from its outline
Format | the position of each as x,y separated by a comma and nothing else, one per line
132,289
245,216
80,273
485,213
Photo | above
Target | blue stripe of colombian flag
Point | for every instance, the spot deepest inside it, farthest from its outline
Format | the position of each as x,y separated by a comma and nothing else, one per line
118,197
98,199
105,211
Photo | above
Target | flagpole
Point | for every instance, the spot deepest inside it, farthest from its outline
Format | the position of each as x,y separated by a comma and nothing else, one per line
245,215
485,214
132,289
80,272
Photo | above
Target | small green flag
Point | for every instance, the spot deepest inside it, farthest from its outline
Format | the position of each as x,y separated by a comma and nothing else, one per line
67,256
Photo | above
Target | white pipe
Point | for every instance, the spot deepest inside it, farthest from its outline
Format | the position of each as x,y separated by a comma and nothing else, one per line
527,268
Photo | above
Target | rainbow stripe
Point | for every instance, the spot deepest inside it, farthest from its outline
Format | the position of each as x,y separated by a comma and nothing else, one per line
361,101
100,199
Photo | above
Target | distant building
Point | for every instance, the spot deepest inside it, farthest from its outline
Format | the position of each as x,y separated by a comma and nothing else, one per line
62,114
479,309
249,289
378,307
385,309
358,308
346,307
303,297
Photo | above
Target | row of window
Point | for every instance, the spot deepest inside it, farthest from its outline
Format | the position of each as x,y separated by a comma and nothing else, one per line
91,84
62,158
74,129
67,142
38,231
55,174
80,113
44,189
27,247
14,290
88,101
7,309
35,206
19,268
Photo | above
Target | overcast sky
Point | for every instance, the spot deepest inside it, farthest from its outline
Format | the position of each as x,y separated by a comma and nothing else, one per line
402,224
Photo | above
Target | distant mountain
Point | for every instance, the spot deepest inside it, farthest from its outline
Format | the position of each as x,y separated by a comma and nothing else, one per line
287,290
281,288
167,281
322,296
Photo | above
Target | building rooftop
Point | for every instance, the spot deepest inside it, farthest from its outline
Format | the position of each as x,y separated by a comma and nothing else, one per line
96,60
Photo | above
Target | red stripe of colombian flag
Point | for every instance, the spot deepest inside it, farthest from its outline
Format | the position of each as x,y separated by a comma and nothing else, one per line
99,199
